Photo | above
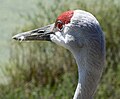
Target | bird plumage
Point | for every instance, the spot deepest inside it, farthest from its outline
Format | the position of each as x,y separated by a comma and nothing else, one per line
80,32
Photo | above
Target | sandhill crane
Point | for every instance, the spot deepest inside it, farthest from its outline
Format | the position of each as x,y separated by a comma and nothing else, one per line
79,32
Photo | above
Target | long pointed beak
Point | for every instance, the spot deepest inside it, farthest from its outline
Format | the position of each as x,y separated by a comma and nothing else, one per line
37,34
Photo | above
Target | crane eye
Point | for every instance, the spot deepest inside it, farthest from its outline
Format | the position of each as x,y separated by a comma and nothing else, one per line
59,24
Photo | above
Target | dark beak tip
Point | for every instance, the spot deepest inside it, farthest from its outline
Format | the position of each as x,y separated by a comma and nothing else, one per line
15,38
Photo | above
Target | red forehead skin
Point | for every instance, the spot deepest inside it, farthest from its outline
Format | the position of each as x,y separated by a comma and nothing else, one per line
65,17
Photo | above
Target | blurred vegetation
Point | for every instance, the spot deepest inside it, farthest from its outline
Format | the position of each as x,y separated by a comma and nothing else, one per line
43,70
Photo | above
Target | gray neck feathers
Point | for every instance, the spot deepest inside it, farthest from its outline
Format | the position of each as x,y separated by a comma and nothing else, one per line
90,61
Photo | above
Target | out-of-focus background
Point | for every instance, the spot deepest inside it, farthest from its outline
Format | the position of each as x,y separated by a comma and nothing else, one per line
43,70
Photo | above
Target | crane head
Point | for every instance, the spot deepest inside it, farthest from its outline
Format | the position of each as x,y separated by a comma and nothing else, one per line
69,30
79,32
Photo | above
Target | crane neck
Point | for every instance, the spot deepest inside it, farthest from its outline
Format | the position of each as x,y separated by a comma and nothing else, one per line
90,61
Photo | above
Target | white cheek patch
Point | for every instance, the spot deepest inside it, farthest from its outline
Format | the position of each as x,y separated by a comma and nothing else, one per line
62,37
67,27
69,38
57,38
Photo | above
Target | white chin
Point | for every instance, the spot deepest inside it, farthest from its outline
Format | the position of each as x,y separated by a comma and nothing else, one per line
58,39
